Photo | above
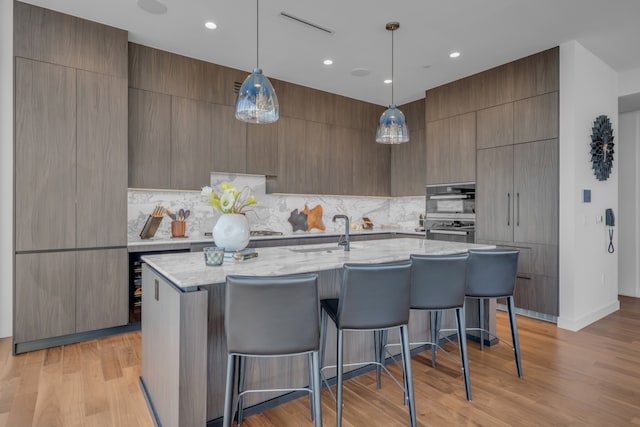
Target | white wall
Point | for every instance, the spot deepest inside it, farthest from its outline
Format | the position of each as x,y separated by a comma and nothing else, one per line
588,274
629,82
629,187
6,167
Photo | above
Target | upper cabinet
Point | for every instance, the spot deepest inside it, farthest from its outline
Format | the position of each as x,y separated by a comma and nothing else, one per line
409,160
451,150
149,139
182,127
190,143
45,156
53,37
495,126
536,118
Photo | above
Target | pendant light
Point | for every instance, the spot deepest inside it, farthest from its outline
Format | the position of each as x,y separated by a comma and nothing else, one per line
257,101
392,128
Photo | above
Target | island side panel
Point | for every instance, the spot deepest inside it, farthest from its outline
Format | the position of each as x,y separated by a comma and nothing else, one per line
174,351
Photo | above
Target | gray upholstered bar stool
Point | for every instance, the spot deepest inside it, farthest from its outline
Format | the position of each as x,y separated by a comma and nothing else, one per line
373,297
492,274
438,283
271,317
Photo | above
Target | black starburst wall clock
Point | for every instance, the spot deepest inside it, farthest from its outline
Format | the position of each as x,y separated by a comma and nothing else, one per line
602,147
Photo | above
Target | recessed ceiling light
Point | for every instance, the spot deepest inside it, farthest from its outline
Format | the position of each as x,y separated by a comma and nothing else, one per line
454,54
388,81
210,25
327,62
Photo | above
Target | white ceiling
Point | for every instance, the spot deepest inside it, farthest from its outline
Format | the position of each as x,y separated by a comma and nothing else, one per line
486,32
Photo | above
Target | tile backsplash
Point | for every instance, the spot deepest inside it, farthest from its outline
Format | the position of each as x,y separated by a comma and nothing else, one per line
272,210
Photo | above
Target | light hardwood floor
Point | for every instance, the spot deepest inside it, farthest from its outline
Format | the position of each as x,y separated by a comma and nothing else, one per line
587,378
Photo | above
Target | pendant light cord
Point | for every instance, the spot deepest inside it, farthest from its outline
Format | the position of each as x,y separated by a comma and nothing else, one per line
393,82
257,34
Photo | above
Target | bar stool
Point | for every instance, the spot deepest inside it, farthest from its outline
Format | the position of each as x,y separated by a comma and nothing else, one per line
492,274
373,297
271,317
438,283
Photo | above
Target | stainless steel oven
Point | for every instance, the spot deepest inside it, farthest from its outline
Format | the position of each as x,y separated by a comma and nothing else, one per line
451,212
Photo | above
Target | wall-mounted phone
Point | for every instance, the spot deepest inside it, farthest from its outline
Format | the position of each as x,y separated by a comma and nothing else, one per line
610,221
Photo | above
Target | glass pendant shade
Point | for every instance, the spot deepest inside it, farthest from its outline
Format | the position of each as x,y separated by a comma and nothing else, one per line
392,128
257,101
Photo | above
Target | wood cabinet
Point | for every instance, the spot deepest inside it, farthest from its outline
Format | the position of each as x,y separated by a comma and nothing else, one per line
262,149
55,38
149,139
517,191
62,293
190,143
494,194
536,118
45,156
409,166
229,141
44,295
495,126
451,150
535,185
102,289
101,160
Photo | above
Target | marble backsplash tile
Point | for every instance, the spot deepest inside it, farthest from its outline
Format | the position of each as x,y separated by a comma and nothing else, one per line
272,210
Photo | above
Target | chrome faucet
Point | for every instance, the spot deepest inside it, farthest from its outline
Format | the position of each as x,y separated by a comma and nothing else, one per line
344,242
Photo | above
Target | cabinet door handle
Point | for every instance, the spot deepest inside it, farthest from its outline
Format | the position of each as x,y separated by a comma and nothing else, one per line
508,209
518,209
157,290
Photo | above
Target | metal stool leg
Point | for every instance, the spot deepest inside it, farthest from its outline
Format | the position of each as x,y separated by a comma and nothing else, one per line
311,385
462,344
406,360
376,345
481,305
339,381
228,391
514,334
242,365
315,373
433,328
324,317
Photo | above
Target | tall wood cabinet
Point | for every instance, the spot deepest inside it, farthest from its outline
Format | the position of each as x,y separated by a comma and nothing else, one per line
509,116
70,176
517,193
451,149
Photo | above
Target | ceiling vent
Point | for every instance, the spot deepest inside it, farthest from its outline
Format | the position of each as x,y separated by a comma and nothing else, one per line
309,24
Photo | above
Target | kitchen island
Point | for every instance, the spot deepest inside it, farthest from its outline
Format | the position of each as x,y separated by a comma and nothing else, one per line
183,340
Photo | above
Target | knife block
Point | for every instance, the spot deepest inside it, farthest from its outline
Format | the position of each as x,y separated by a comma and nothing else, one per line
150,227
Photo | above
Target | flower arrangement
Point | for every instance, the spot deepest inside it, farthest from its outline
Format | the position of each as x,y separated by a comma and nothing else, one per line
230,200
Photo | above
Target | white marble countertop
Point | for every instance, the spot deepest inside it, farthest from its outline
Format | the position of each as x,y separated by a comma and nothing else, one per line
188,270
161,244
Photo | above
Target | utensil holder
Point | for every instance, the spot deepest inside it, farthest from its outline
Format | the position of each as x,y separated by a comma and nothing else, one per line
178,228
150,227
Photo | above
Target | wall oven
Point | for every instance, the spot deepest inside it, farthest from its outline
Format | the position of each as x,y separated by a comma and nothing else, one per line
451,212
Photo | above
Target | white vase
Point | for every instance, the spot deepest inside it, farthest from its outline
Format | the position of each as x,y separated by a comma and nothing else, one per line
231,232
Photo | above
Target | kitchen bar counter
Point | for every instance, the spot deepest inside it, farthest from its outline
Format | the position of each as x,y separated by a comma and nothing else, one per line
187,271
183,338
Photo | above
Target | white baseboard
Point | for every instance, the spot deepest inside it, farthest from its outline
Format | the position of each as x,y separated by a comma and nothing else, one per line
583,321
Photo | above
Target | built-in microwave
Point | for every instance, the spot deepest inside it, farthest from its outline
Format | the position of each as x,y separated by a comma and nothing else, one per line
451,199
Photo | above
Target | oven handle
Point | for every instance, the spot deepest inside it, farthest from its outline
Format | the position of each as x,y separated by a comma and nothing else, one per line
451,232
